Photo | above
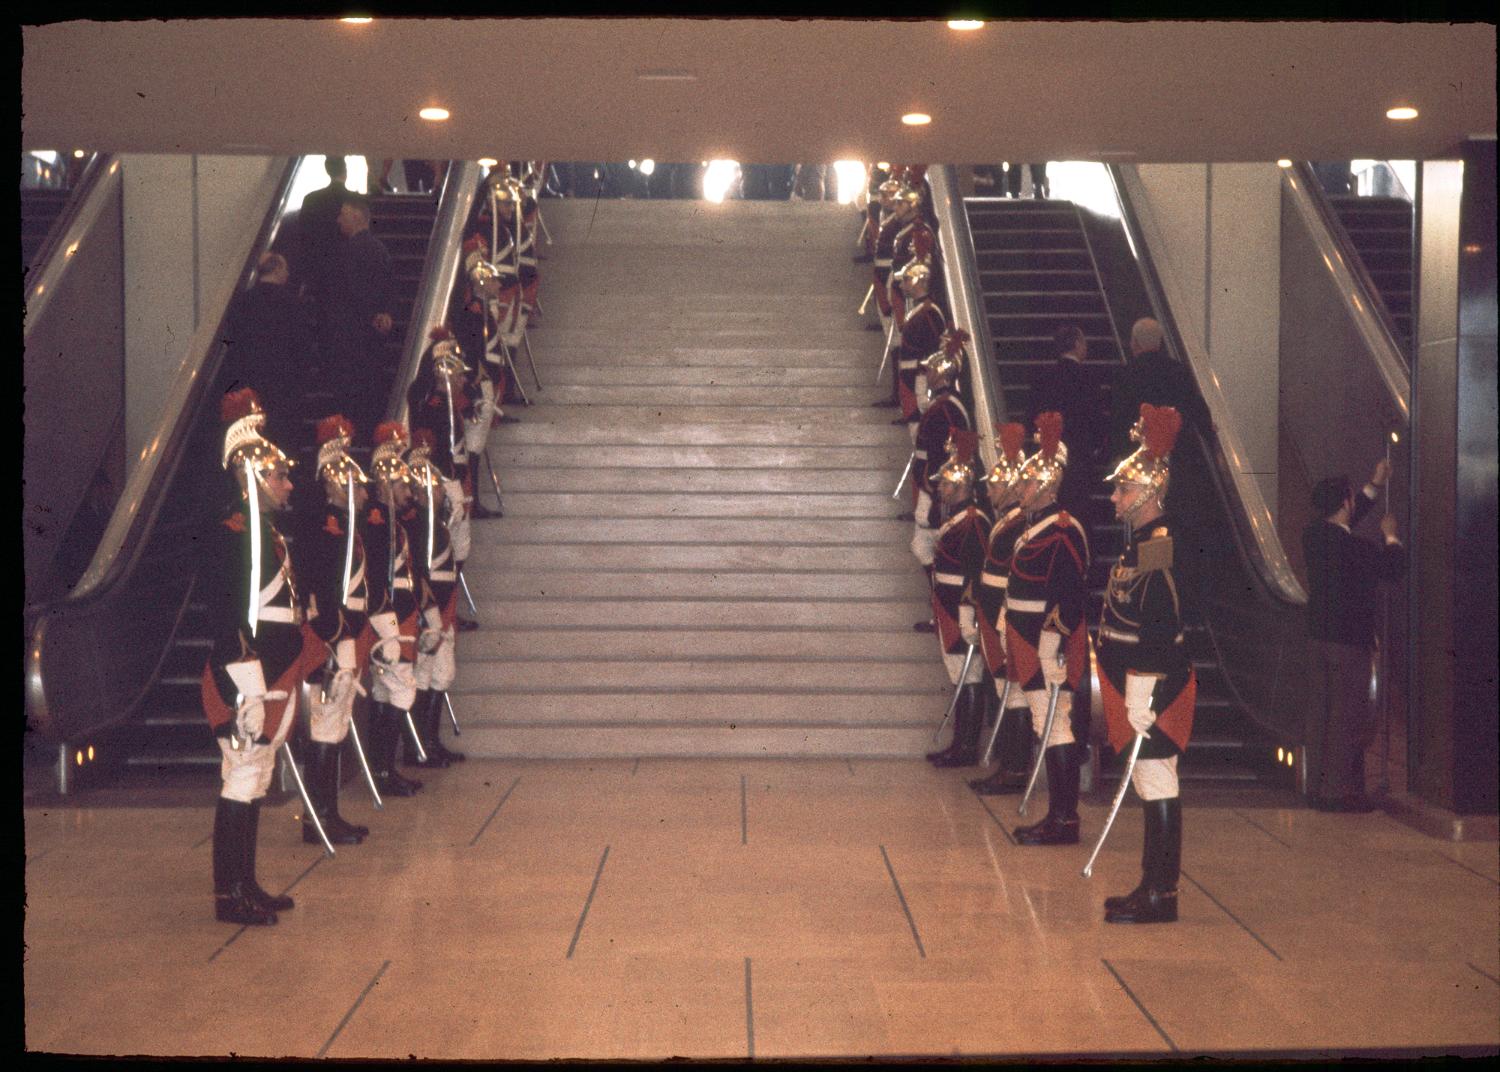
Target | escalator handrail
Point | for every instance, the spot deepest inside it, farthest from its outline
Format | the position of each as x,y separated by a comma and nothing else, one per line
134,517
97,184
1255,529
966,303
439,276
1363,304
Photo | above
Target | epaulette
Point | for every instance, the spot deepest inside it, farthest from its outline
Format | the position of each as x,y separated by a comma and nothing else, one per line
331,525
376,517
1155,553
235,522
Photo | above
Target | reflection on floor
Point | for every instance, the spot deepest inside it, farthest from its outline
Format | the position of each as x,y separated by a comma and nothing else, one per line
703,908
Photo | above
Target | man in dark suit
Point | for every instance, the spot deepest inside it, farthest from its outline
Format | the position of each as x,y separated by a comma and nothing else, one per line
318,227
357,306
1152,376
1070,387
270,341
1343,571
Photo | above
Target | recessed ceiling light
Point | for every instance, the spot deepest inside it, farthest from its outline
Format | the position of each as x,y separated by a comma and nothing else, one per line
965,24
487,161
77,154
916,119
434,115
1405,111
666,75
356,20
1283,163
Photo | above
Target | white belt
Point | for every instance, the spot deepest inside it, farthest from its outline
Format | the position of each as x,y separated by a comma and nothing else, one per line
403,584
909,364
882,262
1118,634
1025,606
994,580
948,578
355,603
443,575
920,455
286,615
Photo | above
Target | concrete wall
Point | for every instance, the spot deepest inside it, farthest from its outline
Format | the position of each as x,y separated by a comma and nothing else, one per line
1218,252
188,225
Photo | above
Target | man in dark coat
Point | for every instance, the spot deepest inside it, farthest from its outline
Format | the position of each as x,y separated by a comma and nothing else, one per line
357,303
1152,376
272,347
1343,571
1071,387
318,226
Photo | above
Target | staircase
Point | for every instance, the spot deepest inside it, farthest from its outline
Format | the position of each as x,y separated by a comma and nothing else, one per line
1038,271
1380,229
698,555
39,211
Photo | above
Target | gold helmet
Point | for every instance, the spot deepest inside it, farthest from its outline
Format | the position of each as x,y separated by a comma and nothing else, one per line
244,446
907,201
391,443
334,436
424,474
943,365
888,191
916,278
1156,431
955,479
1009,455
1046,466
444,352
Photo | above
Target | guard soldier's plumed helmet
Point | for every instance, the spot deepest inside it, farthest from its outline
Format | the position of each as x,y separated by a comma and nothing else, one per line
244,446
888,191
334,435
1047,464
1009,439
391,443
1156,431
916,278
443,352
943,365
419,459
955,479
907,202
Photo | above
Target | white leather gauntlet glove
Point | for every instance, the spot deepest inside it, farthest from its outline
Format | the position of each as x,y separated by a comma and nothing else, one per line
388,628
1138,689
967,627
431,637
1047,649
250,713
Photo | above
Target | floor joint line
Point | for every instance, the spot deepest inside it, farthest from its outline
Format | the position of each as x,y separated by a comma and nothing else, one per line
1466,867
993,817
578,930
244,927
354,1008
744,814
749,1014
1262,829
1140,1005
1482,972
902,898
474,840
1232,916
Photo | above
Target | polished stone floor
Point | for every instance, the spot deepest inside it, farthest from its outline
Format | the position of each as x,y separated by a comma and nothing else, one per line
729,908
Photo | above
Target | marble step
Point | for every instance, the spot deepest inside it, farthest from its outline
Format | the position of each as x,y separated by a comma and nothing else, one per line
769,375
887,459
713,740
541,412
501,641
851,336
827,614
639,709
581,427
609,505
808,679
607,555
683,480
697,531
787,400
693,584
858,351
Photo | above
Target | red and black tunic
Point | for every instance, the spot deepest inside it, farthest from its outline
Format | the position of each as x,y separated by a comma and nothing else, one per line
885,243
389,577
946,413
921,335
322,542
993,583
1048,590
441,578
1140,632
957,562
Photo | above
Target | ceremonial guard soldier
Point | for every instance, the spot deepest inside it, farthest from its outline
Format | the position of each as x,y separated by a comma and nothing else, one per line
878,174
1145,675
1045,634
437,580
915,241
259,656
921,326
885,240
958,560
443,401
945,413
332,564
1014,733
393,619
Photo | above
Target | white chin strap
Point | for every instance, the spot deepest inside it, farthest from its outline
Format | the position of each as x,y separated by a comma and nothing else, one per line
252,491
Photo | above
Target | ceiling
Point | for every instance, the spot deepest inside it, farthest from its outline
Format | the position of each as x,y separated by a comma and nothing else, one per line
760,90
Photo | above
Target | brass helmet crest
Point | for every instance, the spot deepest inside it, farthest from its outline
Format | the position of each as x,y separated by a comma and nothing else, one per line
943,365
1009,441
334,436
1156,431
955,479
1046,466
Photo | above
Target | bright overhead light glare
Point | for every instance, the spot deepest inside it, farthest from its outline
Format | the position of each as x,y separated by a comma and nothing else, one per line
916,119
356,20
487,161
1283,163
434,115
77,154
965,24
648,167
1405,111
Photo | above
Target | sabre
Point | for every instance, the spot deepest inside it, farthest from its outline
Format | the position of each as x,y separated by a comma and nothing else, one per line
364,764
349,542
866,303
306,800
412,726
864,230
1114,808
910,461
468,597
989,748
953,704
1036,767
452,424
526,342
495,480
453,718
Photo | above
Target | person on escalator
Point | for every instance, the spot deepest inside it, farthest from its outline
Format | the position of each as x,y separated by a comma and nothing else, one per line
1152,376
1070,387
1343,573
271,347
318,229
356,319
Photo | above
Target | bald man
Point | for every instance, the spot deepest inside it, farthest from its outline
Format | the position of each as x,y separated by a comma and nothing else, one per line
1151,375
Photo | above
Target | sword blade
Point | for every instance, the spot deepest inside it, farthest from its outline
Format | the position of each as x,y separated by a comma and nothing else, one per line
1114,808
463,583
989,748
495,480
530,360
866,303
884,360
910,461
307,800
416,740
364,765
1036,767
953,703
452,717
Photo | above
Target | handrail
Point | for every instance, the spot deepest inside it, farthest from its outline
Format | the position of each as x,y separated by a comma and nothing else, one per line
134,517
439,275
966,303
1259,541
1361,298
98,183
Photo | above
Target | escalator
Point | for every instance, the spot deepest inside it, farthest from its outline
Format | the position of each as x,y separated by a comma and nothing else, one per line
1042,264
113,673
1380,231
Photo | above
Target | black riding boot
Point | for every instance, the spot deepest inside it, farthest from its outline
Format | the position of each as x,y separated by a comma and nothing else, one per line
323,788
435,734
274,902
964,751
1149,851
386,728
1155,901
1060,827
232,903
1013,749
422,716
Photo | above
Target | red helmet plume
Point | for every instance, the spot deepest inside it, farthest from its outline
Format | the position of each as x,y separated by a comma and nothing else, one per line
1012,439
954,340
330,428
964,444
423,438
389,432
1159,428
922,243
1049,430
439,332
238,404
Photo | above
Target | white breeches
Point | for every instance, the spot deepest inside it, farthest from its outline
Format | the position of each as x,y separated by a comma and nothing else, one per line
955,665
457,519
246,772
1062,725
923,539
920,390
437,669
1155,779
1017,698
328,723
393,683
911,430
